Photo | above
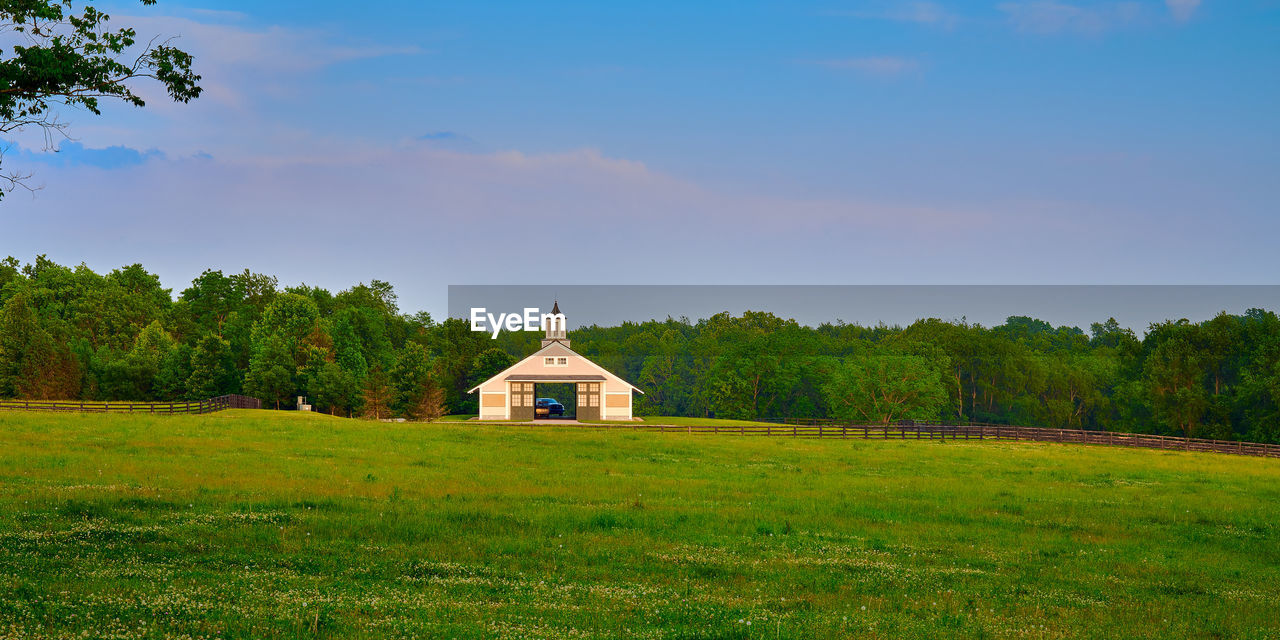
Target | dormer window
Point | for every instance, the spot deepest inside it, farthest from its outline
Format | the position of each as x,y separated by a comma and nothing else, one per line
555,361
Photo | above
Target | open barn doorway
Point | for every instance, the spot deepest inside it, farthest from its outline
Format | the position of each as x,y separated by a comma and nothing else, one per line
563,393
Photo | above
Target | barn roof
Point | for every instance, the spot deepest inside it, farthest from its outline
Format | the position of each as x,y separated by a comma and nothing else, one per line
528,377
507,375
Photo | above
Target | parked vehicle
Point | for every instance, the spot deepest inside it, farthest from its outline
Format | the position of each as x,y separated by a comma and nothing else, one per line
547,407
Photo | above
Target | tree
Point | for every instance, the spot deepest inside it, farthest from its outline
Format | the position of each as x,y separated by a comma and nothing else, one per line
132,375
171,380
881,389
212,298
489,363
334,390
271,371
33,363
293,319
413,381
213,370
77,61
377,394
425,403
1175,372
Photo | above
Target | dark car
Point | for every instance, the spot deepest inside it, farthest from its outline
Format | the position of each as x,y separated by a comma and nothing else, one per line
547,407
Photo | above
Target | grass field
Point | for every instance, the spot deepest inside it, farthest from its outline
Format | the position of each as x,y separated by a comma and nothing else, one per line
681,421
254,524
667,420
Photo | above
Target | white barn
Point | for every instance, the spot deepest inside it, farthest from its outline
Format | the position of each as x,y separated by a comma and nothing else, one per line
601,395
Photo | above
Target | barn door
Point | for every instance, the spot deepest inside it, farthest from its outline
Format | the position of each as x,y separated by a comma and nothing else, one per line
522,401
588,401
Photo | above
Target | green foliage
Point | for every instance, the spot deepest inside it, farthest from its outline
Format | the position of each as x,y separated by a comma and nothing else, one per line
77,60
886,388
417,396
484,365
133,375
72,333
378,394
34,362
213,372
334,390
272,372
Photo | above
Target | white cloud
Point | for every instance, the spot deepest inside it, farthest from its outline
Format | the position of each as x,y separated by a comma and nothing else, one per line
272,48
872,65
240,63
422,218
1050,16
1182,9
253,77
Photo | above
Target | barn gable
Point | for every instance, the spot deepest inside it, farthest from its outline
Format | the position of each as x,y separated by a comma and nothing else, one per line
601,395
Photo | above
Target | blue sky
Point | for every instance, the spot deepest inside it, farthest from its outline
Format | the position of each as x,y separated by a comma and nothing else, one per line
883,142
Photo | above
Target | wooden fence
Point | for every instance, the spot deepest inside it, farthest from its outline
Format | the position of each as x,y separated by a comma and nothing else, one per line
168,408
919,431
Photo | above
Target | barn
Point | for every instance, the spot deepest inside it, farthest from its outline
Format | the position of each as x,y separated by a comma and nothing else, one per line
510,395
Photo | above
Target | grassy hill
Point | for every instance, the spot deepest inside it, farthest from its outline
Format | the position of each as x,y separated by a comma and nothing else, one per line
259,524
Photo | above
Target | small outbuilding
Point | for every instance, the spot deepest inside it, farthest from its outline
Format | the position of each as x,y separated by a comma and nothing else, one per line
511,394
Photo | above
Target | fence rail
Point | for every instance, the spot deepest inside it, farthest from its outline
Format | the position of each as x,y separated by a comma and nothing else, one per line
168,408
961,432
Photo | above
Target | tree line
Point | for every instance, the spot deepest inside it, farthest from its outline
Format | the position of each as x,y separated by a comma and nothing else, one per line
71,333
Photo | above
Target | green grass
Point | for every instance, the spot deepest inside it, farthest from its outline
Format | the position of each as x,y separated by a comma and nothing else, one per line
667,420
456,417
681,421
246,524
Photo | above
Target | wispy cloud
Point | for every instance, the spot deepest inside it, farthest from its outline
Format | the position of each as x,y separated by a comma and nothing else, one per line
75,154
275,48
258,80
239,62
1182,9
218,14
450,140
919,12
1050,16
871,65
